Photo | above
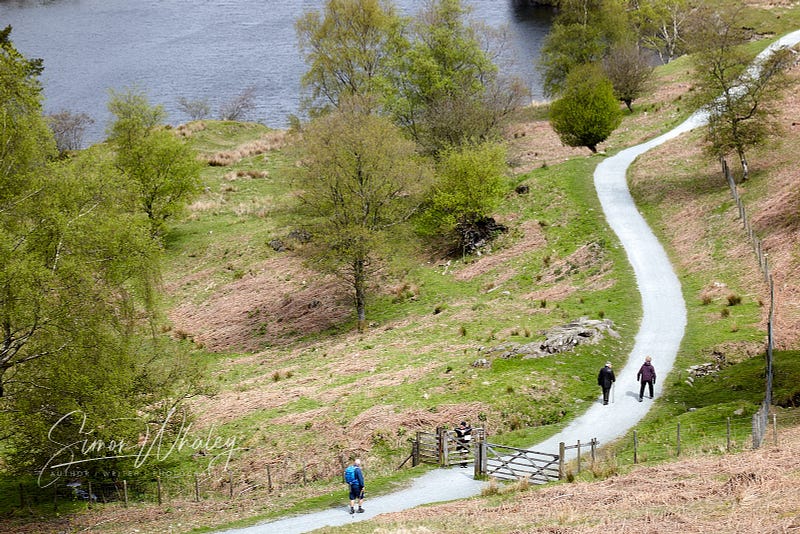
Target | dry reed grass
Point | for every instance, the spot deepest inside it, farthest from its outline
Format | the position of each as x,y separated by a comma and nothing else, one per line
274,140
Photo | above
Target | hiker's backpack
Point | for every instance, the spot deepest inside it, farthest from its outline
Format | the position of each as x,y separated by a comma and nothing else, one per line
350,474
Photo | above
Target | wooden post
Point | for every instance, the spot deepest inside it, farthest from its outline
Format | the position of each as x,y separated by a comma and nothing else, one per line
89,502
728,433
125,492
480,456
561,450
158,489
679,438
594,452
21,496
269,480
196,489
635,448
415,451
55,496
775,429
444,456
305,478
579,457
230,483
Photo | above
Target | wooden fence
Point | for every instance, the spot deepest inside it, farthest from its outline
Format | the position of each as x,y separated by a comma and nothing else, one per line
494,460
760,418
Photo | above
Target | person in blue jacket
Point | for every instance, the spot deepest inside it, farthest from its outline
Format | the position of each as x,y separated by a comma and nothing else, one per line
355,478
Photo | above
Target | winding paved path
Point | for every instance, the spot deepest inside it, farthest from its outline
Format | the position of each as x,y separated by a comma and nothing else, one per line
660,334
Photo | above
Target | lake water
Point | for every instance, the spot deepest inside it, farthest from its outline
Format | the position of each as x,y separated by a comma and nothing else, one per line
204,50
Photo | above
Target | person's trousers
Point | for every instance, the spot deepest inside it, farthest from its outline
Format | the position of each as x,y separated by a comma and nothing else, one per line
605,394
649,383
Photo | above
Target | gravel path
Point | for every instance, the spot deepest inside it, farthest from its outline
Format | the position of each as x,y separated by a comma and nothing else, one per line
660,334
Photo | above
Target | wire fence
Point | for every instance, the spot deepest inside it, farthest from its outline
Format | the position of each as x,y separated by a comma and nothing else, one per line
760,419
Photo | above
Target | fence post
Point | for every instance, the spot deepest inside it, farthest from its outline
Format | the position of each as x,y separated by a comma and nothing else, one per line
679,438
230,484
269,479
89,502
55,496
484,457
196,489
158,489
728,433
125,492
444,446
479,452
594,451
21,496
579,457
561,450
635,448
415,451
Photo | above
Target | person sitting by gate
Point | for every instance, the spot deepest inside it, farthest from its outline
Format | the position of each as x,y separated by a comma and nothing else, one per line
463,439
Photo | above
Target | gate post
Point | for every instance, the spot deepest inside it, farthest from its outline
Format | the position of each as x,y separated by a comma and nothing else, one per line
415,451
561,451
480,456
441,435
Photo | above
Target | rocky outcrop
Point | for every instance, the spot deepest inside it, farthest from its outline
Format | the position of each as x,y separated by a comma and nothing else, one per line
563,338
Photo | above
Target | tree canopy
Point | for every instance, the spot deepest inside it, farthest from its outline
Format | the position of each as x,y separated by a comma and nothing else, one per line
78,273
588,111
359,178
161,170
740,99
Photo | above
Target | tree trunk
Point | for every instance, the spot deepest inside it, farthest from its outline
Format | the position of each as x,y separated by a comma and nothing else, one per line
745,169
360,287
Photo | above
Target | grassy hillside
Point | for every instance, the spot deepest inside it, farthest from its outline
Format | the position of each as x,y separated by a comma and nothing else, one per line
300,390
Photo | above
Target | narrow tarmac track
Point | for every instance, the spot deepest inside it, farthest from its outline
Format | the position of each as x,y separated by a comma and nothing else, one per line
660,335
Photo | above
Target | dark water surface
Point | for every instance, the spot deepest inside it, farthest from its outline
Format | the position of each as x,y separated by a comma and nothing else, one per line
203,50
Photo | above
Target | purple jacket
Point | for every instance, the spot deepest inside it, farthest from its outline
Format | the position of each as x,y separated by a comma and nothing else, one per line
647,373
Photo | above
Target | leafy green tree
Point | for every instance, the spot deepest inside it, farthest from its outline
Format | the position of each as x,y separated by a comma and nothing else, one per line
445,89
742,99
163,171
629,71
588,111
470,183
347,48
77,288
359,179
26,142
583,32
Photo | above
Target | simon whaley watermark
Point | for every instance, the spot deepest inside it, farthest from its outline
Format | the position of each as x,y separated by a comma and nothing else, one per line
73,456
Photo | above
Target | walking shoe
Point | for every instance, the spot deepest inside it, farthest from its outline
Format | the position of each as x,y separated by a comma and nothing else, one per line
360,510
352,511
640,399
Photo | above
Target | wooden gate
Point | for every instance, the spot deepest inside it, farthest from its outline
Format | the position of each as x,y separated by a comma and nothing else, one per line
442,448
511,463
493,460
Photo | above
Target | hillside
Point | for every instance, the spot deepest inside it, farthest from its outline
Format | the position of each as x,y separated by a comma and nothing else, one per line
750,492
301,390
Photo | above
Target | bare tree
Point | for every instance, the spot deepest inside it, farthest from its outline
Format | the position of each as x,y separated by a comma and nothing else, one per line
196,109
238,108
68,129
629,70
